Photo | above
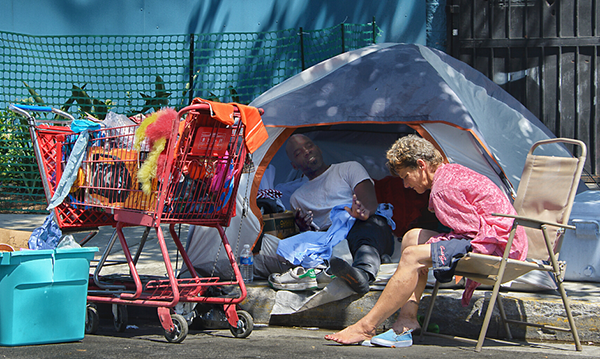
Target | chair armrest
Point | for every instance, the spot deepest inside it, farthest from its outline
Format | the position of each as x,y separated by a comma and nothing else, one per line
534,222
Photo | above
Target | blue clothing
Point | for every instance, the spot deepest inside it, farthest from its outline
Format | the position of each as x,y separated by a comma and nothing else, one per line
70,172
310,249
46,236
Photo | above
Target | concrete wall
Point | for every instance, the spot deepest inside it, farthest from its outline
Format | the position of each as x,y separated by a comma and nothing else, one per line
400,20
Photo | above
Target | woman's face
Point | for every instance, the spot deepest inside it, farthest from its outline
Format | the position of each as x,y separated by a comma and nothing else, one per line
415,178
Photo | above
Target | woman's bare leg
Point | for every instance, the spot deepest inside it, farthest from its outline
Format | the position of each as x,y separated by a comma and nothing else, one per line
407,318
397,292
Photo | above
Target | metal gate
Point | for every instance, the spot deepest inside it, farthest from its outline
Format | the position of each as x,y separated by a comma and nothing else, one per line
543,52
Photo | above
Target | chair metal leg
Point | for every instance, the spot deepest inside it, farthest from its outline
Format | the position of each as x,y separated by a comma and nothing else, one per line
501,270
567,305
436,287
561,289
503,316
488,315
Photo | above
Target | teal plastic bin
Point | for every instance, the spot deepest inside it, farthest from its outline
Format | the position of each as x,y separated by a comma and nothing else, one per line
43,295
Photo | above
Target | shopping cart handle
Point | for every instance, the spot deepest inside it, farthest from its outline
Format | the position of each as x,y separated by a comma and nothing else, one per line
33,108
22,109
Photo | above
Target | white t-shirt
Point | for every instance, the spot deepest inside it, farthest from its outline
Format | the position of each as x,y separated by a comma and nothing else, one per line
333,187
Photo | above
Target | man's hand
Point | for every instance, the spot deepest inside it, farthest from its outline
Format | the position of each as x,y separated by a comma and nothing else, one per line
304,220
358,211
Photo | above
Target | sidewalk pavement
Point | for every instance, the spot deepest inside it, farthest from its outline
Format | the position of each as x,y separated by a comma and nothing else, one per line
452,318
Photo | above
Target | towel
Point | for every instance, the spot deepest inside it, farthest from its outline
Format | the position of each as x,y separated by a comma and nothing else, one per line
255,134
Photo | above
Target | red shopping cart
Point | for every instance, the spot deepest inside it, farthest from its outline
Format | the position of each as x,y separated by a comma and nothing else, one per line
197,173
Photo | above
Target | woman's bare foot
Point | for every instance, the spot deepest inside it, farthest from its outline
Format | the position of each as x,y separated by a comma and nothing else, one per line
355,333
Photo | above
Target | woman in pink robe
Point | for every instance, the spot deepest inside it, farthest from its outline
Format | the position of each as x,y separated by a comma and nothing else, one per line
462,200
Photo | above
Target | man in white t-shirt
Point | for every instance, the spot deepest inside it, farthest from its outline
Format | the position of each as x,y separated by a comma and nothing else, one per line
340,184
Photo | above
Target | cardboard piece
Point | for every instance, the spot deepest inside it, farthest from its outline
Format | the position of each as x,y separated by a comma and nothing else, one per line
281,225
14,238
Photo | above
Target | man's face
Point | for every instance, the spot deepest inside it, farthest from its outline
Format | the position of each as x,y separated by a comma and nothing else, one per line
304,155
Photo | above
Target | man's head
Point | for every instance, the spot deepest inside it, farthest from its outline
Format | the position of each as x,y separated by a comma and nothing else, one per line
305,156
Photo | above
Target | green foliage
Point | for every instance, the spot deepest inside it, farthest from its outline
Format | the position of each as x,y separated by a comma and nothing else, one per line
160,99
18,166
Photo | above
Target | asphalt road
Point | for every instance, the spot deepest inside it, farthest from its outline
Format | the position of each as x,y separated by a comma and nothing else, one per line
147,341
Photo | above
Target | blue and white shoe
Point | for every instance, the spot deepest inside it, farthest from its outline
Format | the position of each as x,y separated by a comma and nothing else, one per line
392,340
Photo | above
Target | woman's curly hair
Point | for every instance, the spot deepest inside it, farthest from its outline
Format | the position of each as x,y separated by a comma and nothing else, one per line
407,150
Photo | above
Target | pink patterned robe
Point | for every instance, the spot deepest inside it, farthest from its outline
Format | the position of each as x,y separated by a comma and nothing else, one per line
464,201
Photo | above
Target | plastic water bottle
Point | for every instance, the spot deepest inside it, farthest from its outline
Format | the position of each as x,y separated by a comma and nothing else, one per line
247,264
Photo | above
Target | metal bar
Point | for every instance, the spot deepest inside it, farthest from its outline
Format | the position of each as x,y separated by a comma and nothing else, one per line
544,326
509,84
492,70
343,38
141,245
594,112
525,19
374,29
541,12
452,13
542,62
181,249
429,310
101,263
526,66
191,70
532,42
558,17
493,298
594,19
557,131
577,99
132,270
507,19
561,288
473,18
576,19
232,261
302,48
503,316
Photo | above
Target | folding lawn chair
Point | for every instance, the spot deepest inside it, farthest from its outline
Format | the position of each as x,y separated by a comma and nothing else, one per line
544,201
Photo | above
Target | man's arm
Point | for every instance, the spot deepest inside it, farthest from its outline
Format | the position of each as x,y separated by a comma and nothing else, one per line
364,201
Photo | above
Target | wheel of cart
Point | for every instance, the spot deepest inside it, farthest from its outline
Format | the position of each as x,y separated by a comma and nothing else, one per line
245,325
179,331
120,317
92,319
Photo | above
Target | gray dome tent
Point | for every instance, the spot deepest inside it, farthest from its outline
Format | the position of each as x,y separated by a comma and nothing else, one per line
355,105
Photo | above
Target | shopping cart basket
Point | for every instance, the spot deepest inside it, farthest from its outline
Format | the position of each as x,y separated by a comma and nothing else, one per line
48,137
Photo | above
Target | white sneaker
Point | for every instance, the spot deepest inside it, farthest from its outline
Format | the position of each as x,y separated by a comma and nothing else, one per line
296,278
323,278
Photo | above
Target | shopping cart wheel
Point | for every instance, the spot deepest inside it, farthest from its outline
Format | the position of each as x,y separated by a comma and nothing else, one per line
120,317
92,319
180,331
245,325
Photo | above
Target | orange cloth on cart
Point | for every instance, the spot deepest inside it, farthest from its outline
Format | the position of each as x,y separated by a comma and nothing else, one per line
255,134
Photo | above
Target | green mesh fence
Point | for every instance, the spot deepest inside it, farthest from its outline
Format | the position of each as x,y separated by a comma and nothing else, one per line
140,74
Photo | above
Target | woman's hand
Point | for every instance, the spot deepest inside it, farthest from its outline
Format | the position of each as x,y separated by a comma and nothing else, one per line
358,211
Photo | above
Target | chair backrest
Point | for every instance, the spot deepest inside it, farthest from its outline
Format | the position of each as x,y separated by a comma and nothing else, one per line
546,192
